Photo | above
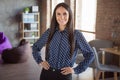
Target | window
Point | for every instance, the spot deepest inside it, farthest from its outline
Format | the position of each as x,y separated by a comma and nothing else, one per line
86,17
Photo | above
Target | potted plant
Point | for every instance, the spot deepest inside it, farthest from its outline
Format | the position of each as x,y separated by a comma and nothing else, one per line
26,10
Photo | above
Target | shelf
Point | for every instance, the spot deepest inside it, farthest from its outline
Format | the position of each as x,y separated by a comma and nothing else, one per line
30,18
30,30
31,37
30,27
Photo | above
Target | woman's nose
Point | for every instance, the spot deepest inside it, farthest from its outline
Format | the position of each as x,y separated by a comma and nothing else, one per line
62,16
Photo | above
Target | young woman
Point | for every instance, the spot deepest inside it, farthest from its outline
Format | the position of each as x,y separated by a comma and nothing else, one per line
62,43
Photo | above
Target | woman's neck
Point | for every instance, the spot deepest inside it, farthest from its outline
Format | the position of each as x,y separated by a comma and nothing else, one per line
61,28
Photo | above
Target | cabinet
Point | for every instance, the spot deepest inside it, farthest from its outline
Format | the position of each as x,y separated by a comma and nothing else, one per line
30,27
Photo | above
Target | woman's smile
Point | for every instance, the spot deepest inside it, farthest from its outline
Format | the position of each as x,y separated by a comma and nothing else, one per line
62,17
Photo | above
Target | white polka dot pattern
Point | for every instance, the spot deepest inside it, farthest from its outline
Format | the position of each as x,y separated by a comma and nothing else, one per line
59,50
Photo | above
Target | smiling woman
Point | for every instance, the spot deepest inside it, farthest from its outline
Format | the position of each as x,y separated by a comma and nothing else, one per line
62,43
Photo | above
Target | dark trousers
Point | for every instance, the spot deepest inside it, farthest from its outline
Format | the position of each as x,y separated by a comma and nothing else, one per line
54,74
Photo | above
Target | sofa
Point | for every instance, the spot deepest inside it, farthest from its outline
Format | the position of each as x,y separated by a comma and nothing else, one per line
27,70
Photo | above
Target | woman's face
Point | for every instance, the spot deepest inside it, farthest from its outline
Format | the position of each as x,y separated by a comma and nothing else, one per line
62,17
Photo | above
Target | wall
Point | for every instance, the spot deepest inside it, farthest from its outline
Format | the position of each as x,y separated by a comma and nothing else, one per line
10,17
108,11
44,14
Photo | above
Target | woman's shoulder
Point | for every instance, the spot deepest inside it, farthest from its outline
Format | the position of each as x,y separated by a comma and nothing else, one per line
77,32
47,31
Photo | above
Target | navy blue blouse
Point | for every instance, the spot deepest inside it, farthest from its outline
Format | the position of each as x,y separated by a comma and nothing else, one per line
59,50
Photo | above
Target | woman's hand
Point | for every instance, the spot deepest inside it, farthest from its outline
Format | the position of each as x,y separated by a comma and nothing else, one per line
67,70
45,65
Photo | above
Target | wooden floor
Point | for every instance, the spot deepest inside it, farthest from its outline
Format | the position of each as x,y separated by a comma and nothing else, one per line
86,75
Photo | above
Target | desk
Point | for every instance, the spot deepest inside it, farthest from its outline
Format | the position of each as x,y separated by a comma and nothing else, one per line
111,51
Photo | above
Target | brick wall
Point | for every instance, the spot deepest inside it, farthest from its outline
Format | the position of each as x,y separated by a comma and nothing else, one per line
108,18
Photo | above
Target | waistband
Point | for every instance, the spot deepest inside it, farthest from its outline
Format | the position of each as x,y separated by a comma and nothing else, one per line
53,69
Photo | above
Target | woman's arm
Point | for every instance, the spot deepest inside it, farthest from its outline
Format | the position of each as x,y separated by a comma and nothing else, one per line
37,46
86,50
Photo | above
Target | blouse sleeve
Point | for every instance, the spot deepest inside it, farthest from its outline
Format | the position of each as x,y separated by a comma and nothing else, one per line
37,46
86,50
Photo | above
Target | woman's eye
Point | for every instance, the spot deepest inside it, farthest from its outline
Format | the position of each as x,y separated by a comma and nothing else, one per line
58,13
64,13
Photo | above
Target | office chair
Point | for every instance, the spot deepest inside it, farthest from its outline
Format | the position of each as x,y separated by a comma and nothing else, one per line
97,43
100,43
102,67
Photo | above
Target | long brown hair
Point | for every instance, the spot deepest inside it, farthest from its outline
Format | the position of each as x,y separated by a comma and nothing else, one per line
69,26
